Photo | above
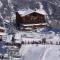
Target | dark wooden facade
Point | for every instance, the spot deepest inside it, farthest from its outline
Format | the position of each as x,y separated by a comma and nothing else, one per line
1,30
33,18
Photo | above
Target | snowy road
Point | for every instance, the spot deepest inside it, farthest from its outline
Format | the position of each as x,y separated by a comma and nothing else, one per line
34,53
40,52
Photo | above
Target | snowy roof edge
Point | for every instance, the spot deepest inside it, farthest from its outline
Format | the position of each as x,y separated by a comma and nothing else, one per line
29,11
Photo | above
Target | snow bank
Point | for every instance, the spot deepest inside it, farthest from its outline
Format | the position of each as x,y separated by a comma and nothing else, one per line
40,52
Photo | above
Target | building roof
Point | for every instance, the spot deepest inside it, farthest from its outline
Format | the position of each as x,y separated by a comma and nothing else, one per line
29,11
2,28
2,33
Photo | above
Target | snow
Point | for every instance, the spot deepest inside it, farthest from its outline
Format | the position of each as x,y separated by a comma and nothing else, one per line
40,52
29,51
34,24
1,4
31,36
1,16
25,12
52,54
28,11
9,38
38,36
41,11
2,28
37,52
1,33
9,1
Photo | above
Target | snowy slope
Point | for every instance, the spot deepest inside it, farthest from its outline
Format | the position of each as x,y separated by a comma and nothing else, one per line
40,52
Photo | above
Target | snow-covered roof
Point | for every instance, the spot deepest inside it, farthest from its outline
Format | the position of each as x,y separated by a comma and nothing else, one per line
28,11
2,28
2,33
